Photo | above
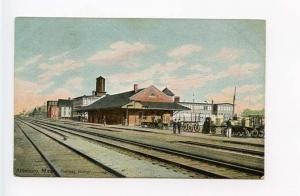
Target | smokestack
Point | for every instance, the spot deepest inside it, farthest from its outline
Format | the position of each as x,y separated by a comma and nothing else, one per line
176,99
100,86
135,87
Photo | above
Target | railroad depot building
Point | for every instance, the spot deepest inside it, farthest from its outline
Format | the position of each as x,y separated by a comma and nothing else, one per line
134,108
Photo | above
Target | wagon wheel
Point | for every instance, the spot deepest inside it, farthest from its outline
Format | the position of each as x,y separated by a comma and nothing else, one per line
190,129
152,125
235,132
261,133
223,131
213,130
197,129
184,127
254,133
246,132
241,133
194,128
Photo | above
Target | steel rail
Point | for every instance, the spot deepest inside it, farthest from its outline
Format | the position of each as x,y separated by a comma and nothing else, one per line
211,174
146,131
255,171
78,152
48,162
229,148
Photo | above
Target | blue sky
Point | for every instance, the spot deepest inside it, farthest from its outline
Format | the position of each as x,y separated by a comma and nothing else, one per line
61,57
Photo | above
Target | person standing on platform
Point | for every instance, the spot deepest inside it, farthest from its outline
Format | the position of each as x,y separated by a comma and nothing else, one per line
229,128
179,126
104,121
174,126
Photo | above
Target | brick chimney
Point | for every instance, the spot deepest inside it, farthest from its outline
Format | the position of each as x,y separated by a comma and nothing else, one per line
135,87
100,86
176,99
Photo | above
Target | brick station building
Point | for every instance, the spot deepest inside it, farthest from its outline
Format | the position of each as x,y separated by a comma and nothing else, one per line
134,108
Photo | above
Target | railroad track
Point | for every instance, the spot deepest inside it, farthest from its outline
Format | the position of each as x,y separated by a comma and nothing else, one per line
232,149
100,127
55,160
229,166
208,145
199,174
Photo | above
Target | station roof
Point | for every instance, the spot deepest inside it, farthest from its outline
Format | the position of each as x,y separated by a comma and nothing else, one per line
87,96
223,103
168,92
164,106
111,101
203,103
121,99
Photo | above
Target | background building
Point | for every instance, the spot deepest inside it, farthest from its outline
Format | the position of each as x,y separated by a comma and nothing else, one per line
223,109
86,100
65,108
52,109
80,102
199,111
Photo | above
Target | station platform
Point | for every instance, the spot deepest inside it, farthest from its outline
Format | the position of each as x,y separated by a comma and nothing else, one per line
212,137
241,140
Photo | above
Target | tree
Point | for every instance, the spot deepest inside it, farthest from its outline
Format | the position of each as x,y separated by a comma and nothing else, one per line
248,112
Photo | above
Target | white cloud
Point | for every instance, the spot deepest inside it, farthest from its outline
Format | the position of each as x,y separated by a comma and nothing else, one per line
182,84
59,56
241,90
51,70
33,60
146,74
247,96
198,79
120,53
76,83
179,85
183,51
229,54
201,68
144,77
167,67
237,70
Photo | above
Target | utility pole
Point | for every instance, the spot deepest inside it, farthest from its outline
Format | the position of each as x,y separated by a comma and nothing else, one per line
193,105
233,102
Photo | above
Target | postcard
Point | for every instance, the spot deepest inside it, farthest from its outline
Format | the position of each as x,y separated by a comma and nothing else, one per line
139,98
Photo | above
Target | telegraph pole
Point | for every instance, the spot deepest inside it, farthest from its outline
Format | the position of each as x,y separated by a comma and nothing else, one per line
193,107
233,102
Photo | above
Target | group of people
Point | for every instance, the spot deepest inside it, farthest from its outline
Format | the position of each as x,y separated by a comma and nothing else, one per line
176,126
